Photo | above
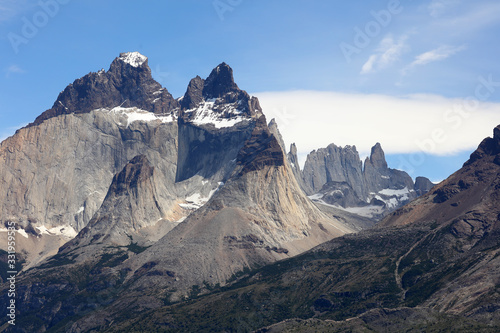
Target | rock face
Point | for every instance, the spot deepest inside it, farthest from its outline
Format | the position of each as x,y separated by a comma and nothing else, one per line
336,176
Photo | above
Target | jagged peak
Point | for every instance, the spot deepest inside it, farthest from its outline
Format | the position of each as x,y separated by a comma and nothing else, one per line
377,157
194,93
220,82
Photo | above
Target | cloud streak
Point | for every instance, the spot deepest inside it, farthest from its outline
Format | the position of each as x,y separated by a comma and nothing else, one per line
441,53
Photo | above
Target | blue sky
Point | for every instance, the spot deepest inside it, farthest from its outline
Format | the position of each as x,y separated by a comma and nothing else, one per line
421,77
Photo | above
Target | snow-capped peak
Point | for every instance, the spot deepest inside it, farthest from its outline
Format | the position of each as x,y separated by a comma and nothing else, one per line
134,59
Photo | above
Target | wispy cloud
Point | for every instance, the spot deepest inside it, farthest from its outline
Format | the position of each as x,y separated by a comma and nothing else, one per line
13,69
439,7
388,52
441,53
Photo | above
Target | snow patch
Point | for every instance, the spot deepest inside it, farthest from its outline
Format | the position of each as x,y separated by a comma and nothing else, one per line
196,200
366,211
391,192
22,233
80,210
65,230
316,196
19,231
135,114
204,114
134,59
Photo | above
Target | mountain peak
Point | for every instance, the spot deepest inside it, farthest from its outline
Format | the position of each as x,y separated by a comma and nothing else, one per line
488,147
220,82
194,93
377,157
134,59
128,83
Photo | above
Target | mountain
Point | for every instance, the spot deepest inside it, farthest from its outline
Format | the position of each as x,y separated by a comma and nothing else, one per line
336,176
164,199
431,266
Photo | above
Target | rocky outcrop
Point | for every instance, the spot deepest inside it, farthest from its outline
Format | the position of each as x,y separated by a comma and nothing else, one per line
333,163
134,210
293,159
423,185
336,176
194,94
273,128
488,147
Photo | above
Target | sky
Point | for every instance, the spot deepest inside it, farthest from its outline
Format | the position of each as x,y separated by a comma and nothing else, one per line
420,77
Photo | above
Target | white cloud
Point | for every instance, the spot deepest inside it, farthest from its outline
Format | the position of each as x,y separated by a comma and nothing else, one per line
410,124
438,7
441,53
388,52
13,69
